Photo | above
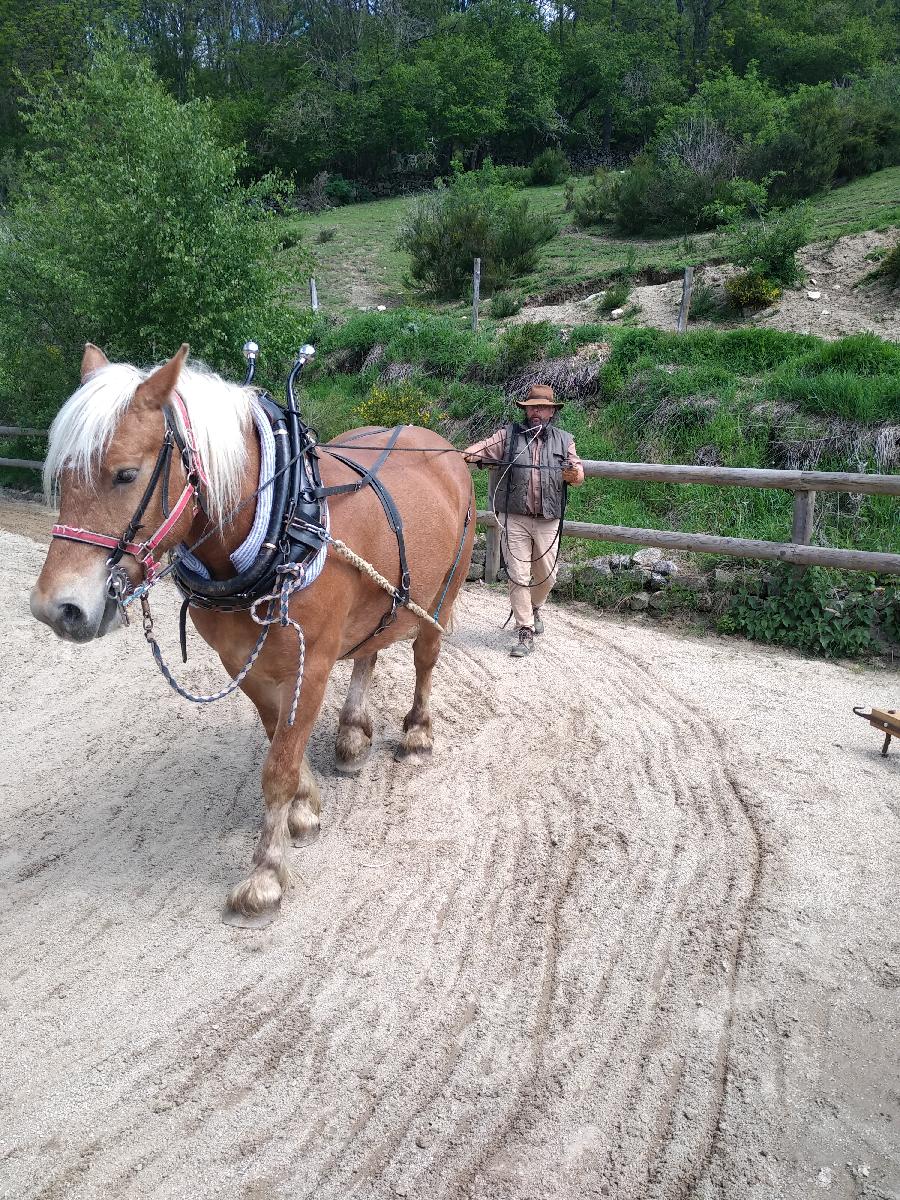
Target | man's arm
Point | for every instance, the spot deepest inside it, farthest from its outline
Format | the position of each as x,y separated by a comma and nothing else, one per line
490,450
573,472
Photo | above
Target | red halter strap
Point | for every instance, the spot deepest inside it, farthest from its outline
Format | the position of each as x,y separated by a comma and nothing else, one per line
144,551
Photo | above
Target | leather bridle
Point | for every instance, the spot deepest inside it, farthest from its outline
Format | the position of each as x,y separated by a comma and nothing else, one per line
195,480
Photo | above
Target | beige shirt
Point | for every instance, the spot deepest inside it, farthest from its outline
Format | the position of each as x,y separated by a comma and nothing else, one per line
490,450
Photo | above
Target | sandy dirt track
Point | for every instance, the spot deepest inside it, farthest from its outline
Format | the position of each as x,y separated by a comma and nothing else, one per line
632,933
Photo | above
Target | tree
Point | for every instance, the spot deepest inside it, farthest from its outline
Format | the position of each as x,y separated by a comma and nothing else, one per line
128,228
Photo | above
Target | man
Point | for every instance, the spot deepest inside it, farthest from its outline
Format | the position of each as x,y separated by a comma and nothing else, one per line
531,461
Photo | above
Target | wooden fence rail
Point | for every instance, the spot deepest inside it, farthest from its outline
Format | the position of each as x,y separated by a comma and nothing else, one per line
804,485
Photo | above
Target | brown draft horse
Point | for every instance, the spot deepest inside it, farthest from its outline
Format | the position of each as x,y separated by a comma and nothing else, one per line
103,447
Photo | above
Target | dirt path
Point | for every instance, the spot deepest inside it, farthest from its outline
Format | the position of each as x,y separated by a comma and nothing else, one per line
632,933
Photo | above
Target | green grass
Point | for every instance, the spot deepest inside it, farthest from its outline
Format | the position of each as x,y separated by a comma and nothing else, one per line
361,267
869,203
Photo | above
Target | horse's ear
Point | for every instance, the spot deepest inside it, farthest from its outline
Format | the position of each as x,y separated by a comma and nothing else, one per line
158,387
92,360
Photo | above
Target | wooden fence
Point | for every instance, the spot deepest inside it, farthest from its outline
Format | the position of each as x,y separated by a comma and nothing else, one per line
804,485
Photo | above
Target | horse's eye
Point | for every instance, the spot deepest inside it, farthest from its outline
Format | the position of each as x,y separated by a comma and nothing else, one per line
126,475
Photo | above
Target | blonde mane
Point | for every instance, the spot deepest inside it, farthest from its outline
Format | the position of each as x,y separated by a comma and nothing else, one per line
220,414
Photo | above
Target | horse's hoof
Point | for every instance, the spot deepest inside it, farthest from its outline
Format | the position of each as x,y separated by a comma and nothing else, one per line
243,921
303,837
412,754
352,766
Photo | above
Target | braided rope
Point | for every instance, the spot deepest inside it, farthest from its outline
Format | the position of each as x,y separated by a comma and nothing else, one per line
367,569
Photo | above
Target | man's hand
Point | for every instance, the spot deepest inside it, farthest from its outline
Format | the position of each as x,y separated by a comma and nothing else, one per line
570,474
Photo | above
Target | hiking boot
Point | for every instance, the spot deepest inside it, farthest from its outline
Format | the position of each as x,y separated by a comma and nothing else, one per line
538,621
525,644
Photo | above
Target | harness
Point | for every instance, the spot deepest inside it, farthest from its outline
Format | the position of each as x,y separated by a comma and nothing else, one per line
297,533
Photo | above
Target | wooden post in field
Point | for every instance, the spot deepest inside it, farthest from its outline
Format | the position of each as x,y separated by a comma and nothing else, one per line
686,288
476,293
802,526
313,294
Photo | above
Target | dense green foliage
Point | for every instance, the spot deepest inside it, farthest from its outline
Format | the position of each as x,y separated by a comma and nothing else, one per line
378,94
475,216
127,228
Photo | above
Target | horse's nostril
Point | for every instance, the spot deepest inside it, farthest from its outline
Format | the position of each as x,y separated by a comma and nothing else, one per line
71,615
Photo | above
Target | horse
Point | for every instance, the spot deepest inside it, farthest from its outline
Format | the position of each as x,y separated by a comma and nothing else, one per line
103,458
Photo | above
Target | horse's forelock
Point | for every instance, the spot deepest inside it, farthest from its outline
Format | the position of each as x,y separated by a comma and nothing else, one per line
219,413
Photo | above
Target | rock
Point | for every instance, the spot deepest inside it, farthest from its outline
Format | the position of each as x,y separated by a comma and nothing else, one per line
665,566
564,574
475,571
704,602
634,575
638,602
814,295
594,572
723,580
826,312
812,281
647,557
381,308
617,314
657,581
692,583
658,602
618,561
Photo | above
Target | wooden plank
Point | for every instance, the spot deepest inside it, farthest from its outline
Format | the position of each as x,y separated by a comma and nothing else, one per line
492,558
313,295
685,308
888,721
22,464
792,481
705,543
14,431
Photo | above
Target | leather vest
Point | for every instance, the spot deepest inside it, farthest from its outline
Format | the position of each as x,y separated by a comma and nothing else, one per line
511,493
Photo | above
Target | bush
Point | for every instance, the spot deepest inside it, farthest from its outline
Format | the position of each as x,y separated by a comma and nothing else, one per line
674,195
751,290
803,157
812,613
473,217
326,234
598,203
550,166
568,192
705,303
857,378
614,296
769,246
889,267
398,404
521,345
505,304
340,190
129,229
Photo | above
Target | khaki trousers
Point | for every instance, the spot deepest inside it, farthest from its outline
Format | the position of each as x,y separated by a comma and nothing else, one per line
529,548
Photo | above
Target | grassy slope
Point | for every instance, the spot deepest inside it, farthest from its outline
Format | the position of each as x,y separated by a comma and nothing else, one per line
362,267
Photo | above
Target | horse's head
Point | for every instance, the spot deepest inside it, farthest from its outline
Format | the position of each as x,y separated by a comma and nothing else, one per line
104,449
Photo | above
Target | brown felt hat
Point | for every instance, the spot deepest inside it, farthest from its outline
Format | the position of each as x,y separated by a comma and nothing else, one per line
538,395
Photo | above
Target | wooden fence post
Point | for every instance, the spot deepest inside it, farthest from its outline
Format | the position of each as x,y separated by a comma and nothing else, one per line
686,288
804,513
492,557
476,293
313,294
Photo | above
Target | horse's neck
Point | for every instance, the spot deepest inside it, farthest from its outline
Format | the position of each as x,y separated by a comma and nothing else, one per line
215,552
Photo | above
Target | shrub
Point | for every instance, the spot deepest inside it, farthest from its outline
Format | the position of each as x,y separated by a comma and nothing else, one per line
129,228
769,246
505,304
889,267
326,234
568,192
598,203
550,166
398,404
705,302
523,344
751,290
473,217
340,190
614,296
803,157
811,613
674,195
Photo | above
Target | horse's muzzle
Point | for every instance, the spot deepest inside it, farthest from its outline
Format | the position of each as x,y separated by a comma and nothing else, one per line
71,619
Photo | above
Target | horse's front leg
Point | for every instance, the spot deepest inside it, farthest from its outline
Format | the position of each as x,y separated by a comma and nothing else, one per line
303,815
256,900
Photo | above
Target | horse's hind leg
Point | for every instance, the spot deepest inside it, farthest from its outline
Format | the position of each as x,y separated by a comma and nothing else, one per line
417,737
354,736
